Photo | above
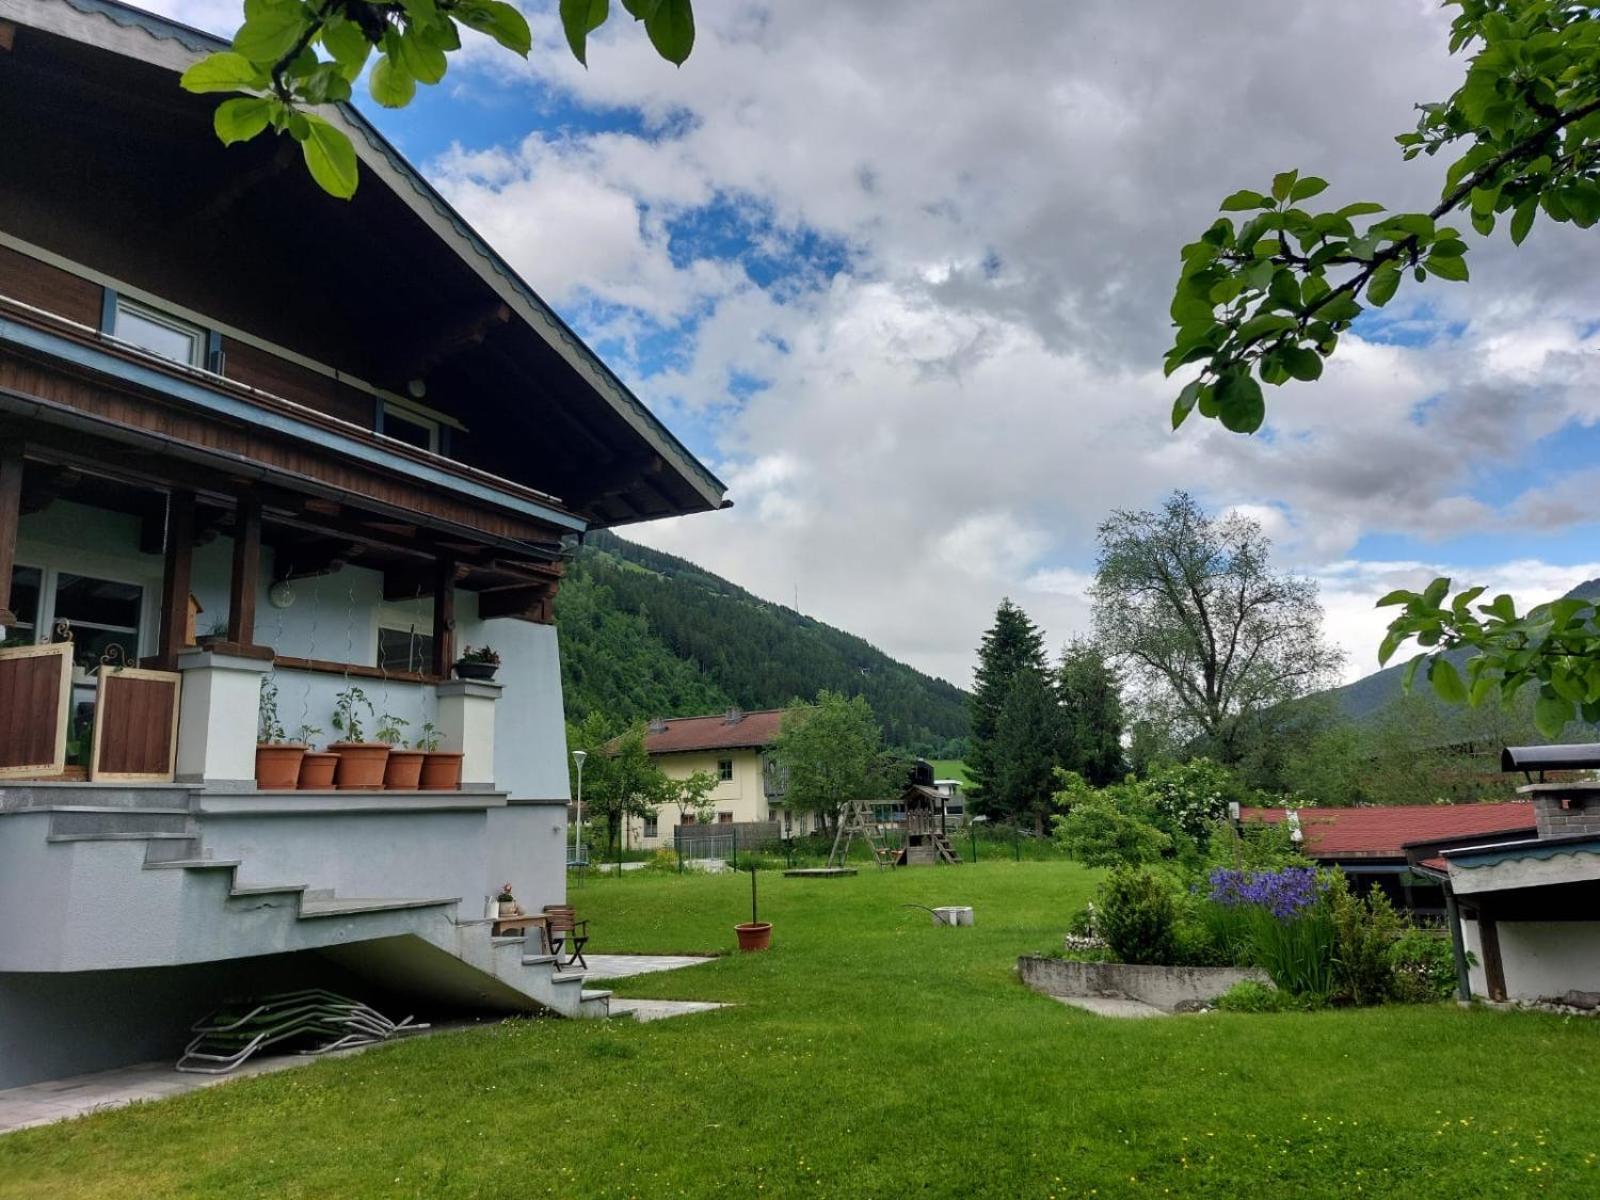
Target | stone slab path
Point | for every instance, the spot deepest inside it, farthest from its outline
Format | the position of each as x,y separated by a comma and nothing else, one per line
1108,1006
659,1010
620,966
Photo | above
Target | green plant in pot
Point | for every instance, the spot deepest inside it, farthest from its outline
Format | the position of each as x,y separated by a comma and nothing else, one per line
441,769
361,763
478,663
403,770
278,757
317,768
755,934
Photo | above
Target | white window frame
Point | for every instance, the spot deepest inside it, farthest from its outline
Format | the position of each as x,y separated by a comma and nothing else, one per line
414,417
198,336
45,622
401,616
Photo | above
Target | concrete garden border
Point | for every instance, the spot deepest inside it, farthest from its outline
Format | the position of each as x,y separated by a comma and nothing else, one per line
1166,988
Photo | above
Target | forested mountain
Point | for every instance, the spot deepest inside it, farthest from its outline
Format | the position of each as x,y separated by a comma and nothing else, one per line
646,634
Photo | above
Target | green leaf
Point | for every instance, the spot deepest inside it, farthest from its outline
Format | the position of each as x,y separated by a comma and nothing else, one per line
347,44
330,157
1283,184
580,18
1501,607
269,33
671,30
1384,283
501,21
1435,592
224,71
1308,187
1400,596
1244,199
391,84
1551,714
1241,406
423,62
1446,681
240,119
1391,642
1446,267
1186,401
1409,674
1362,208
1522,219
1303,364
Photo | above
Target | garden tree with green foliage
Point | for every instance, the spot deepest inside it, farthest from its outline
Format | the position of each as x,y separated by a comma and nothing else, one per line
1189,604
1091,713
1012,647
620,782
832,753
1266,299
691,797
1108,827
1027,736
292,57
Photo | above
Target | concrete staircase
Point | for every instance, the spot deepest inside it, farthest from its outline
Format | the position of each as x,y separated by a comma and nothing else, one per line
398,938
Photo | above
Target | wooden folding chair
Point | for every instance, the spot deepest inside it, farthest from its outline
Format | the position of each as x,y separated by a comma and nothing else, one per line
566,930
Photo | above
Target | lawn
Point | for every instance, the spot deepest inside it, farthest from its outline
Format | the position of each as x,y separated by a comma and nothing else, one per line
871,1054
951,768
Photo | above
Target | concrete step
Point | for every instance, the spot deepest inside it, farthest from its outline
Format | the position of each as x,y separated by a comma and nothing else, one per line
115,837
349,906
94,821
27,797
193,864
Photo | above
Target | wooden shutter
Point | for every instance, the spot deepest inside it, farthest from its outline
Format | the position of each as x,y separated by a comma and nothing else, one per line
35,693
135,726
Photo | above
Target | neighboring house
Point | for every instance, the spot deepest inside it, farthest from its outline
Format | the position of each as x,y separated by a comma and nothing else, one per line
1371,844
955,803
353,439
1527,907
733,748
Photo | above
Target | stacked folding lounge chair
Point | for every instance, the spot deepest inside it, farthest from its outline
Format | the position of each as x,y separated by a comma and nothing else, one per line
326,1020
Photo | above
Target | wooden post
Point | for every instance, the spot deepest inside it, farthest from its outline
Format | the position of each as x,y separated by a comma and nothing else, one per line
175,578
10,511
1494,971
444,617
246,578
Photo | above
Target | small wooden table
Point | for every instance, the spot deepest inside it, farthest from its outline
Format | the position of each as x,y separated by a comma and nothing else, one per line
540,921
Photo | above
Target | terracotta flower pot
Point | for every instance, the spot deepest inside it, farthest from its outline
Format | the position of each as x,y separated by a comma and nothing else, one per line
403,770
754,935
278,766
441,771
360,767
316,771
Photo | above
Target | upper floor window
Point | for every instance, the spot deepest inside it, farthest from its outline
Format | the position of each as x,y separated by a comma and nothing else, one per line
725,769
411,427
160,334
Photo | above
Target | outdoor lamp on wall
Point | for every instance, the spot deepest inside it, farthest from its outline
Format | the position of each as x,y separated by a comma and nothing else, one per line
281,594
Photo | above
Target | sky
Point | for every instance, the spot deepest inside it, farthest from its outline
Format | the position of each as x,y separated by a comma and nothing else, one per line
899,273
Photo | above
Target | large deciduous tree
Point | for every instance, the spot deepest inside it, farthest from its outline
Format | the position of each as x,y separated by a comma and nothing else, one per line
292,57
832,753
1091,713
1012,647
1267,299
1189,604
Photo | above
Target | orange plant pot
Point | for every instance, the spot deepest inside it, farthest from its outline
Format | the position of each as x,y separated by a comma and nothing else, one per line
403,770
316,771
441,771
754,935
360,767
278,766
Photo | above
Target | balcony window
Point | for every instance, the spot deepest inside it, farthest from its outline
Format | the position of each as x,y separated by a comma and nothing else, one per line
411,427
25,586
162,335
651,829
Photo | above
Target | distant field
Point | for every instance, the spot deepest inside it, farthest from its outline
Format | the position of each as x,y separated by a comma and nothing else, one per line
950,768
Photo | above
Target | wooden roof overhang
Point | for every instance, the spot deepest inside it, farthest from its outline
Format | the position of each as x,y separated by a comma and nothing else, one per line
392,287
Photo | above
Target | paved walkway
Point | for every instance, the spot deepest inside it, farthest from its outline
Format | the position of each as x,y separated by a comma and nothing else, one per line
620,966
658,1010
1108,1006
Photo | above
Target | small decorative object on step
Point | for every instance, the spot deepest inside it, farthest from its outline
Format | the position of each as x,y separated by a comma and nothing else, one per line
508,906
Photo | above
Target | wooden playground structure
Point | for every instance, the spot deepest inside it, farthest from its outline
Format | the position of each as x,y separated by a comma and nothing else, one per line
924,841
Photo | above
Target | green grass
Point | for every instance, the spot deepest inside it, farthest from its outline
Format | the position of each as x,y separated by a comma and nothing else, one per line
950,768
871,1054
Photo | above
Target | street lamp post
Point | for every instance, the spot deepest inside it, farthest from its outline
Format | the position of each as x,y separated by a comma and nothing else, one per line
577,828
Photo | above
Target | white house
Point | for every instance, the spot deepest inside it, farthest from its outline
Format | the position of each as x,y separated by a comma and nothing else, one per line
250,433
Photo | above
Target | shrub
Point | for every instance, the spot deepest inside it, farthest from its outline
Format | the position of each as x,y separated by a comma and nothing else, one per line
1291,932
1137,917
1192,797
1365,930
1253,846
1251,997
1104,829
1423,968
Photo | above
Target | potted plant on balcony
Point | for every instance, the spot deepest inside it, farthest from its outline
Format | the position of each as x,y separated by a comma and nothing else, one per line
441,769
507,903
361,762
277,758
404,766
480,663
318,766
756,934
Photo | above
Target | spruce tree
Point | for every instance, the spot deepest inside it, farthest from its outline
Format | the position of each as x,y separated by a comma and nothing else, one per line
1091,714
1012,646
1025,744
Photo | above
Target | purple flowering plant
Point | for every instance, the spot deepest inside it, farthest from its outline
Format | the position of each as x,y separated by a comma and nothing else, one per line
1286,894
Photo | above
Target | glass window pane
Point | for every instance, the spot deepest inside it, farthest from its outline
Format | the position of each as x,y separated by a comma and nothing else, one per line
168,338
424,435
99,602
404,650
25,604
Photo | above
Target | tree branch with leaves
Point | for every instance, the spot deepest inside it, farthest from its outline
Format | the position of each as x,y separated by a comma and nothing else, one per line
291,57
1266,300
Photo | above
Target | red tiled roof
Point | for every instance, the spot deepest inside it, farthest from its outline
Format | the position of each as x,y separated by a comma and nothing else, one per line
1385,831
1435,864
752,730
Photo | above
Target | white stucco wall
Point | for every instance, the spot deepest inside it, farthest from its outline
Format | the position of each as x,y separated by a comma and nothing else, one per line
1540,958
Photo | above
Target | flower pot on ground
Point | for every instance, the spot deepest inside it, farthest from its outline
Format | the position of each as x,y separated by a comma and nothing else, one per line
317,770
441,771
278,766
754,935
480,663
